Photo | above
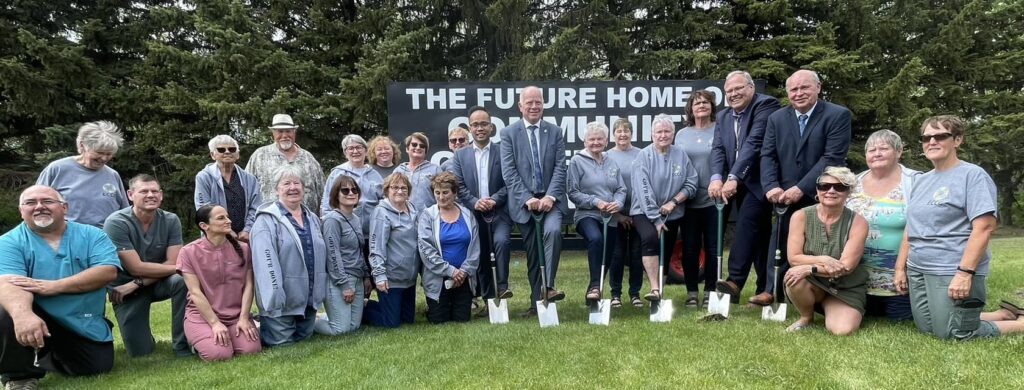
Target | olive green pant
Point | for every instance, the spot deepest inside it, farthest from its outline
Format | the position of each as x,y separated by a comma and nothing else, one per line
936,313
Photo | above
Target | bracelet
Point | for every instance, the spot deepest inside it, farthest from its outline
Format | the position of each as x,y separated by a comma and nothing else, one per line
966,271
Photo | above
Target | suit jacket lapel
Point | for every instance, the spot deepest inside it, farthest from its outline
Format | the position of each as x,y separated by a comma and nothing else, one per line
472,181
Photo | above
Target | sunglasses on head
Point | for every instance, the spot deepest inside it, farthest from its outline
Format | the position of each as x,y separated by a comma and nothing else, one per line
230,149
926,138
460,140
838,187
349,191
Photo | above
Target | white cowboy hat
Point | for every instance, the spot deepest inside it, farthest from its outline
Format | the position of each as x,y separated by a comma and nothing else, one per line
283,121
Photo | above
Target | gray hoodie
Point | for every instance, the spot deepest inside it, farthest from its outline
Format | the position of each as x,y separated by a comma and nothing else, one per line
344,239
657,178
393,245
210,189
279,268
435,268
590,181
370,191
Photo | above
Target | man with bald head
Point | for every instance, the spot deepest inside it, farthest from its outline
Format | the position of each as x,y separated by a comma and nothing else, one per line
533,166
799,142
53,275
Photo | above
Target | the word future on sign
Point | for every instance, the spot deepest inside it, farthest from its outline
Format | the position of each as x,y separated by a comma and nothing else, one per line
434,108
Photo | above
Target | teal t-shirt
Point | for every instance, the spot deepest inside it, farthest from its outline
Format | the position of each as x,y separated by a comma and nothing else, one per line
886,217
24,253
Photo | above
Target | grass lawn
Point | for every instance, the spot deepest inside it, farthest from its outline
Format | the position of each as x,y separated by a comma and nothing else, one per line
743,352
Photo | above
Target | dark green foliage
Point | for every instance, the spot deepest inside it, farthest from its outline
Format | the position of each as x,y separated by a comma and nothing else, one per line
173,73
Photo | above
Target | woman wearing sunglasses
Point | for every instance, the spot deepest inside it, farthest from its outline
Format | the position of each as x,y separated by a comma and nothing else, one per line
226,184
419,170
826,242
347,272
944,257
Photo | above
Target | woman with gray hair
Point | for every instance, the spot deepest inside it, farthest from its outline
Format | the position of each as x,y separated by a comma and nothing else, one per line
663,179
366,177
826,241
596,188
880,196
92,189
289,262
226,184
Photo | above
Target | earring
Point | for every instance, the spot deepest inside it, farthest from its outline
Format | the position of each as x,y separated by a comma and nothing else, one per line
815,197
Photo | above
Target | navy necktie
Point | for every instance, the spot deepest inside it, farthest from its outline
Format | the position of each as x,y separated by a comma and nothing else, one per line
803,123
538,176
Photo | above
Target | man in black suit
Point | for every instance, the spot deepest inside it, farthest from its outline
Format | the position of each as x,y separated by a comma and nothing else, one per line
799,142
482,189
736,158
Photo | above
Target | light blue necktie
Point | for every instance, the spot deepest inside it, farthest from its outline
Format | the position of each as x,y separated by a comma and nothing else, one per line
803,123
535,147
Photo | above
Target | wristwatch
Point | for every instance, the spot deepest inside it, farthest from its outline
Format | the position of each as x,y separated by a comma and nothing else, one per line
138,282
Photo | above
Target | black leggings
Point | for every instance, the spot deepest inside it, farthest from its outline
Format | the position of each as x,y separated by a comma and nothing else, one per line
649,235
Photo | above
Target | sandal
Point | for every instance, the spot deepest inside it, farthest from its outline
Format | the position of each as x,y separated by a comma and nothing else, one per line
654,295
616,302
593,294
1012,308
798,326
636,301
691,301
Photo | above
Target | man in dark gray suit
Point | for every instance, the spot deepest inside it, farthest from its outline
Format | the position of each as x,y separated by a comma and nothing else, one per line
736,175
799,142
533,166
482,189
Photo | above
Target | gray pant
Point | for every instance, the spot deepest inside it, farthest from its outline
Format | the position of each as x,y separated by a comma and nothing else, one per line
937,314
133,317
552,239
341,317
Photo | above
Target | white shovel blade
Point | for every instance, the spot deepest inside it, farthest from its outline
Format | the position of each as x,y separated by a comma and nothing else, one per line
769,314
661,311
603,314
718,303
497,311
547,314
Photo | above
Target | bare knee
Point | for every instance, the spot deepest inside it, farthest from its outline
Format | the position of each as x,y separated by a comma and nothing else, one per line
842,329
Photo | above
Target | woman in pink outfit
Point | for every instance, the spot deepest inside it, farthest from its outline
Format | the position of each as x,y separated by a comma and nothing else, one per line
216,267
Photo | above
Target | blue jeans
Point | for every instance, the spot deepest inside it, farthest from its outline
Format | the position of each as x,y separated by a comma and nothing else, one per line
284,330
341,317
393,308
591,230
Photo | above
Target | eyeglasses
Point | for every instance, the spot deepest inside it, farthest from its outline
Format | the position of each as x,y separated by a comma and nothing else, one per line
460,140
354,148
417,145
44,202
838,187
349,191
400,189
230,149
701,102
926,138
480,125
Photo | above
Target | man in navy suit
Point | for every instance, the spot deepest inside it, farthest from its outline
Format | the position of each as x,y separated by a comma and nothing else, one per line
799,142
482,189
533,166
736,175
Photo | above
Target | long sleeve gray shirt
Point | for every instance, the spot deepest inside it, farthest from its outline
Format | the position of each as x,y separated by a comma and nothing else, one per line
393,245
344,238
659,177
591,181
370,191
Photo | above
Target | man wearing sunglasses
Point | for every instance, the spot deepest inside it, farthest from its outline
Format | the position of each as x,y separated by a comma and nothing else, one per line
533,166
482,189
284,151
225,184
799,142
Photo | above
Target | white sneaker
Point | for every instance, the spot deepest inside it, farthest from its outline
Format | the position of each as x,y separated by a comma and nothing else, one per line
24,384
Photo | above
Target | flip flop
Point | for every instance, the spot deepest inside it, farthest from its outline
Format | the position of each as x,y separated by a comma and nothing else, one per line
1012,308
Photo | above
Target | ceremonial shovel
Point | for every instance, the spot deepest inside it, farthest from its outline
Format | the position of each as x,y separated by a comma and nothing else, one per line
718,306
777,310
497,309
601,309
547,312
661,310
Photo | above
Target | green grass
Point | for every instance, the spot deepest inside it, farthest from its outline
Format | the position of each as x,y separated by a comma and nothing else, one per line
743,352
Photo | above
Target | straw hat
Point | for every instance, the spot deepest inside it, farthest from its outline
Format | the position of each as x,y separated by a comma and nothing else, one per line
282,122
